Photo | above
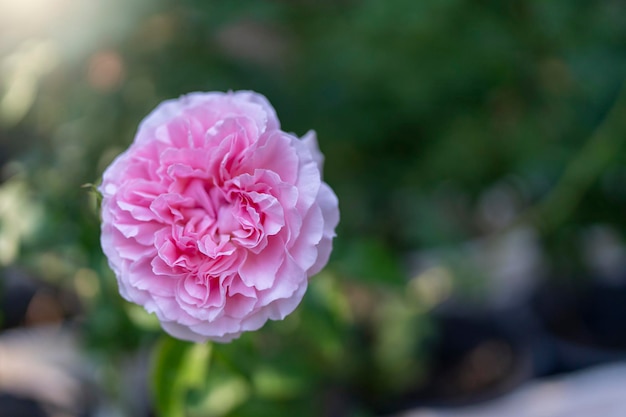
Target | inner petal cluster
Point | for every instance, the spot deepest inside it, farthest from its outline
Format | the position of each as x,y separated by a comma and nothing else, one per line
208,228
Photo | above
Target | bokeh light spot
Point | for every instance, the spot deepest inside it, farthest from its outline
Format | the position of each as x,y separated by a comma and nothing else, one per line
106,71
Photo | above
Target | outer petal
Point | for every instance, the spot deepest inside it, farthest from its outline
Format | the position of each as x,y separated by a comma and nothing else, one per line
328,202
304,249
214,108
183,332
310,140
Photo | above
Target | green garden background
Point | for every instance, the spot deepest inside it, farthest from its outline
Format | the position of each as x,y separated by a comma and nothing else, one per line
447,125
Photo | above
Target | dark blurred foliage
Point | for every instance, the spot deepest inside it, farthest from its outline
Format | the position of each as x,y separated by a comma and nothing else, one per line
442,121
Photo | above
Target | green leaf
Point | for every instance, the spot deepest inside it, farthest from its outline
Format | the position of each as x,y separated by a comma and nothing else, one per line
178,369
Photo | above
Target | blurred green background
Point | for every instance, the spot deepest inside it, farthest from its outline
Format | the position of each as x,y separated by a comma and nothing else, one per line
442,122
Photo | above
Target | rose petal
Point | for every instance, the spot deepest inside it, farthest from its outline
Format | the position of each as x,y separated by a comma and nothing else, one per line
259,270
329,205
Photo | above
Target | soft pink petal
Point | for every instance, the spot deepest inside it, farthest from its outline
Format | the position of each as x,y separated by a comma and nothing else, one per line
310,140
183,332
304,249
328,202
259,270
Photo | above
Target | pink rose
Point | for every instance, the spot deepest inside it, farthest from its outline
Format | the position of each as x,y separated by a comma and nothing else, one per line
214,218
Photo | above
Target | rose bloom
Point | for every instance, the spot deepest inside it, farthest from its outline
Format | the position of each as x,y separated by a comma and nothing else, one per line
214,218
